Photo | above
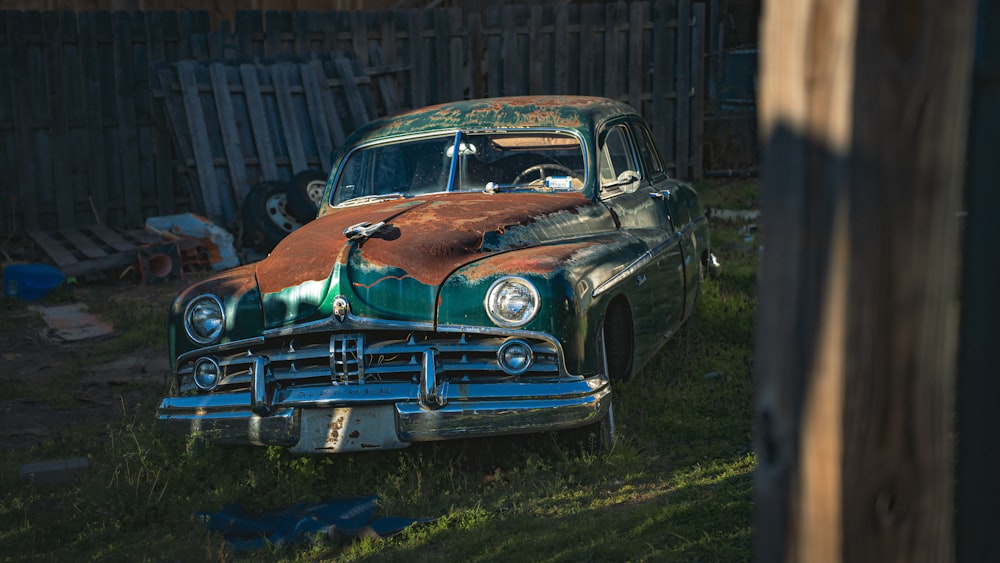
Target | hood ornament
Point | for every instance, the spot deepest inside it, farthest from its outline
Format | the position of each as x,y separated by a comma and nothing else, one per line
341,308
363,230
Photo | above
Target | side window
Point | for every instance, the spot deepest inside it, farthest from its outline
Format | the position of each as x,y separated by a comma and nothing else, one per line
647,149
616,160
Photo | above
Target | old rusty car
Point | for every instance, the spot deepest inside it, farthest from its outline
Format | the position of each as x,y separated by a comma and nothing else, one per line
476,268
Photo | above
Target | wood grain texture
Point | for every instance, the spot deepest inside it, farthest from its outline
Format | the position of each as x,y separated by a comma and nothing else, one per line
106,83
864,127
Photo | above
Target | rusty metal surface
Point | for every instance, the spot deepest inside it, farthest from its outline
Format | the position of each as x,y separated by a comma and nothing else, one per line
573,112
428,237
414,280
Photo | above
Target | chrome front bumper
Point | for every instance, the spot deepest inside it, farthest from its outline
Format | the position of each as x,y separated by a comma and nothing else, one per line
341,417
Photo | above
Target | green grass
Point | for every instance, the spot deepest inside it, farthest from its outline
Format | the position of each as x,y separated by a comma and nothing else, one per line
676,486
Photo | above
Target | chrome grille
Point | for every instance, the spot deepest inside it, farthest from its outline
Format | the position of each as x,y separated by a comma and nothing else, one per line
378,356
346,357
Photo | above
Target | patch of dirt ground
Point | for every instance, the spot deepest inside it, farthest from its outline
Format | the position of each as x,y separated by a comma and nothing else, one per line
50,387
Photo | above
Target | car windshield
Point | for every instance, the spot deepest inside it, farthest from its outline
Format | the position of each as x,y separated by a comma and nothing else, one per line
464,161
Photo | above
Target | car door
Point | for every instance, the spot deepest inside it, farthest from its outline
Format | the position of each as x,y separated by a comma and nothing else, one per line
679,201
657,286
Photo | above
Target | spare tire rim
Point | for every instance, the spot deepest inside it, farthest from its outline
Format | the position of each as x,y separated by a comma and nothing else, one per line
314,191
277,209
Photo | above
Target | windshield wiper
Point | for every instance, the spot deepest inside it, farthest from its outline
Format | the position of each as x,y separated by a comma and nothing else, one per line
371,198
494,187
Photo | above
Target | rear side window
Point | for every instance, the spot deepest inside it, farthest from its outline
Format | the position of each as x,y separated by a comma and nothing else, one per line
647,149
617,164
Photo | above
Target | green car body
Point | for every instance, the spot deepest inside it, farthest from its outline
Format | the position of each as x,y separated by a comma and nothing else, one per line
477,268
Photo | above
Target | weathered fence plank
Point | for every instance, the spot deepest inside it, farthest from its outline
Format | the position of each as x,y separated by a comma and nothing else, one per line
93,117
329,106
280,78
25,199
612,52
62,195
258,121
457,51
127,168
664,106
637,40
229,129
683,86
561,50
589,51
127,130
512,65
494,53
358,111
698,97
202,147
314,104
538,56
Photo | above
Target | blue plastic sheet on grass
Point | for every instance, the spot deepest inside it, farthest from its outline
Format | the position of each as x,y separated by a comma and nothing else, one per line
344,517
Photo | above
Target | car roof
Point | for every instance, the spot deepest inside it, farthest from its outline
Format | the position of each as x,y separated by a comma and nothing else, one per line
580,113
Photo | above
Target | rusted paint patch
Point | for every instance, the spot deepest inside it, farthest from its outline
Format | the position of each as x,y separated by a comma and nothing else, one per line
234,282
309,253
573,112
430,240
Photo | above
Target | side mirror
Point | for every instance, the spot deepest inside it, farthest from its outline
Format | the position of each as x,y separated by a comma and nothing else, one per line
624,179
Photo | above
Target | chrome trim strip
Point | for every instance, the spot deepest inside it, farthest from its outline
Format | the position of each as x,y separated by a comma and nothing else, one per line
456,152
305,396
351,323
526,334
245,343
638,264
627,271
226,418
495,418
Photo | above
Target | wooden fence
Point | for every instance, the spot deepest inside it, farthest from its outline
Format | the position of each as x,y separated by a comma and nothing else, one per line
84,140
238,124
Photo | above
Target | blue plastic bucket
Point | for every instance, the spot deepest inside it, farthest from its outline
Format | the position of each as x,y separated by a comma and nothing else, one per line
30,281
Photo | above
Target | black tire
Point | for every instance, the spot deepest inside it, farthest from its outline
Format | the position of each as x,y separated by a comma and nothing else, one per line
305,194
617,340
266,219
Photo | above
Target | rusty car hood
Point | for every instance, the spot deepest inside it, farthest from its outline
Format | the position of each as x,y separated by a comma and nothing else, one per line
396,273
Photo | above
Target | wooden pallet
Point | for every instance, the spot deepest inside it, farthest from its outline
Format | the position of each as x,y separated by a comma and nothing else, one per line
92,249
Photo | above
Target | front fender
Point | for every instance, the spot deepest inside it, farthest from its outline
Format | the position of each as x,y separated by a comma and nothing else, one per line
237,289
565,275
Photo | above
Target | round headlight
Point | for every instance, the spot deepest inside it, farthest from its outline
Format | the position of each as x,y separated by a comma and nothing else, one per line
512,301
204,319
515,357
206,374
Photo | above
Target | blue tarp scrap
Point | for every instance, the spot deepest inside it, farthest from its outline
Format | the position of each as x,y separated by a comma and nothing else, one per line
344,517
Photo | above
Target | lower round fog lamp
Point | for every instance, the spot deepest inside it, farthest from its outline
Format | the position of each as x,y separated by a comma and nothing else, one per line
207,374
515,357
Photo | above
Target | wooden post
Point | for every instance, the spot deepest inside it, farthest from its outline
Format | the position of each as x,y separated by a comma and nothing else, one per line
863,118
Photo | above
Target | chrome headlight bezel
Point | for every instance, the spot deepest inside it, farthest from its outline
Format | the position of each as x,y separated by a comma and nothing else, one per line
500,299
196,374
192,308
506,365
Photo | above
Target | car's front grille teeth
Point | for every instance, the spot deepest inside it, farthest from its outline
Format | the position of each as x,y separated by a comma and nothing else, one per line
369,358
346,357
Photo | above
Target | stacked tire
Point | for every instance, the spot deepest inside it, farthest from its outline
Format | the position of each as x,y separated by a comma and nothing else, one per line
274,208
